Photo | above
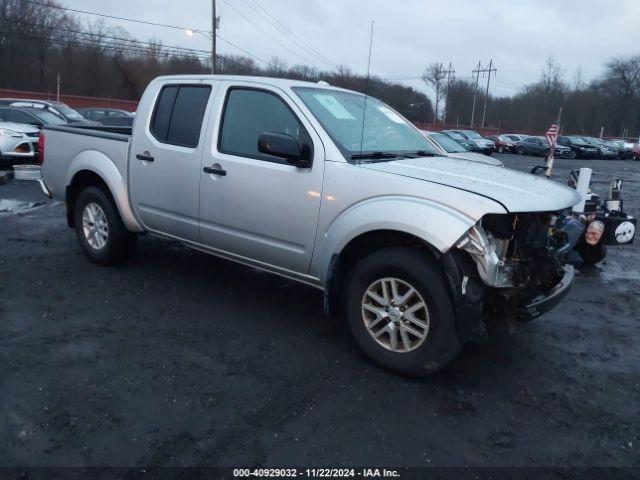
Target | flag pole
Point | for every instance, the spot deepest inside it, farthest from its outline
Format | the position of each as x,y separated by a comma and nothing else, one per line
552,138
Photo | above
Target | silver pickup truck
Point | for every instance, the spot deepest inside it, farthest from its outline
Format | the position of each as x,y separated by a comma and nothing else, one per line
327,187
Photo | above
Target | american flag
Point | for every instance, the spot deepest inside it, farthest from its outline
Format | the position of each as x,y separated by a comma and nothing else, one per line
552,138
552,135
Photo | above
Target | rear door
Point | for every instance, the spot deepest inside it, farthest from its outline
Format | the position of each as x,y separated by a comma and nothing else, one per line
165,159
259,207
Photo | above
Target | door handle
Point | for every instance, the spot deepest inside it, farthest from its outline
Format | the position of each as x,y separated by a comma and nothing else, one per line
145,157
216,171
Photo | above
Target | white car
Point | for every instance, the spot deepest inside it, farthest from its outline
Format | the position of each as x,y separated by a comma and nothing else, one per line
448,147
18,143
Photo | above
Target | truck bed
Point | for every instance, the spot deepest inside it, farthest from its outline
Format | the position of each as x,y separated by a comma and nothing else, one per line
71,149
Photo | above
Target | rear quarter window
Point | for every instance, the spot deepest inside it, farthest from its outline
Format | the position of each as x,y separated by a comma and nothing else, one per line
179,114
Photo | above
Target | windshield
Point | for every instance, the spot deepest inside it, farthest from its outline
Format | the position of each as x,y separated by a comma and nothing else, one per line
341,115
455,136
578,141
471,134
68,112
448,144
47,117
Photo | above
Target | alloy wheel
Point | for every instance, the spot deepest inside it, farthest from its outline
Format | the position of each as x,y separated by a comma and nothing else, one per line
395,315
95,226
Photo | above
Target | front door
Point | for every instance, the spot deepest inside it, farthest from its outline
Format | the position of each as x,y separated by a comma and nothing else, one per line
254,205
165,159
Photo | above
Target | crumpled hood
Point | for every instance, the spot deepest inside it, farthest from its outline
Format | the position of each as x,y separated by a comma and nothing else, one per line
19,127
516,191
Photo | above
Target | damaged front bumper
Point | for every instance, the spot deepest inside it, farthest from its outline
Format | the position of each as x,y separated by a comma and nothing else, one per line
546,302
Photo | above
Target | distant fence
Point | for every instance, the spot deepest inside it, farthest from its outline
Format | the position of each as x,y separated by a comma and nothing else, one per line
74,101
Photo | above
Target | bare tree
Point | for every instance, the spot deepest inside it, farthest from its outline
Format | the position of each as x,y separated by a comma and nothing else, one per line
435,77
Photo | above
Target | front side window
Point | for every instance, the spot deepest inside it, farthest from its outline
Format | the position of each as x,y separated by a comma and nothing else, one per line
179,114
248,113
381,129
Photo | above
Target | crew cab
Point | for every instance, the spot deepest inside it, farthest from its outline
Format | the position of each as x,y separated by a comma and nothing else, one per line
327,187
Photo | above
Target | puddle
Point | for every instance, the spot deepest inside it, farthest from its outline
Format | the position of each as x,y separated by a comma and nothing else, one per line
15,207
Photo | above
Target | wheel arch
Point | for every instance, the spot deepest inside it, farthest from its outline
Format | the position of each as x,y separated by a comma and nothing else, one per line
360,247
94,168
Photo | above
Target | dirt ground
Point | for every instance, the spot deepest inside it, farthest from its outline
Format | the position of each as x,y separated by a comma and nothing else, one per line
178,358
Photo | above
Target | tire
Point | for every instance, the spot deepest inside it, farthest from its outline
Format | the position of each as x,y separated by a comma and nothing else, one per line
572,155
520,151
407,267
115,244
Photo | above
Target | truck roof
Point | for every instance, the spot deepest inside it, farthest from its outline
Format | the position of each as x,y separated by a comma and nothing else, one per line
279,82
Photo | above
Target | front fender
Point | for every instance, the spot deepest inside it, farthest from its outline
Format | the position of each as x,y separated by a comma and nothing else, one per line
434,223
100,164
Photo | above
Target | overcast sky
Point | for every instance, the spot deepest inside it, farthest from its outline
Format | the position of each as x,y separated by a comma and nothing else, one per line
519,35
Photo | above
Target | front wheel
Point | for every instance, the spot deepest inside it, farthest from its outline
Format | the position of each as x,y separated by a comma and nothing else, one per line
400,312
102,236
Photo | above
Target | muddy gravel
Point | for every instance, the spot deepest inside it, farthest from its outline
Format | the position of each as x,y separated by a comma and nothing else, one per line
177,358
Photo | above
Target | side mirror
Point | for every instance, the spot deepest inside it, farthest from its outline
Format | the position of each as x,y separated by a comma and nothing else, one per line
284,146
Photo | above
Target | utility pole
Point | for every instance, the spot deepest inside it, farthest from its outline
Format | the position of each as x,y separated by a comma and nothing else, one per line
214,31
58,89
475,92
449,72
490,70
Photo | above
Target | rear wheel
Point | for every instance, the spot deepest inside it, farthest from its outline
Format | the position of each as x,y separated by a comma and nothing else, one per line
520,151
102,236
400,312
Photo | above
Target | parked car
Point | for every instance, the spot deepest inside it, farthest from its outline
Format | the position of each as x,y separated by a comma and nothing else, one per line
539,147
481,144
18,143
60,109
111,117
516,137
604,151
624,147
35,117
448,147
581,148
285,176
504,144
467,144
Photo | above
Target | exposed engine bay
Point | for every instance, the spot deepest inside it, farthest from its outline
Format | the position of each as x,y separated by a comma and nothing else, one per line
521,256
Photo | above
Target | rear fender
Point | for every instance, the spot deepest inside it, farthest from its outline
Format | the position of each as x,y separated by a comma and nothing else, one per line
103,166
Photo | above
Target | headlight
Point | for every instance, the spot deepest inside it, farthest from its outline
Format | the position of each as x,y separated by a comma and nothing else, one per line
5,132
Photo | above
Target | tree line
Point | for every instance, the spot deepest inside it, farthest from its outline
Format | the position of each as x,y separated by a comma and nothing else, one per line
38,43
610,102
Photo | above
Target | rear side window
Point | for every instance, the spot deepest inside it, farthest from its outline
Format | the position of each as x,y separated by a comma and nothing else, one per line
249,113
179,114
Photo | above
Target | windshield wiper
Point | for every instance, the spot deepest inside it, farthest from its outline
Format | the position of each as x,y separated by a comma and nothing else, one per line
418,153
373,155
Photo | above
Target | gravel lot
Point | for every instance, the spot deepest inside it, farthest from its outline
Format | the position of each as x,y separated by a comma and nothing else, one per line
178,358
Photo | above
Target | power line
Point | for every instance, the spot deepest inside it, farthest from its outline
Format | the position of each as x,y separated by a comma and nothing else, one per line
287,32
114,17
266,33
146,23
109,37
